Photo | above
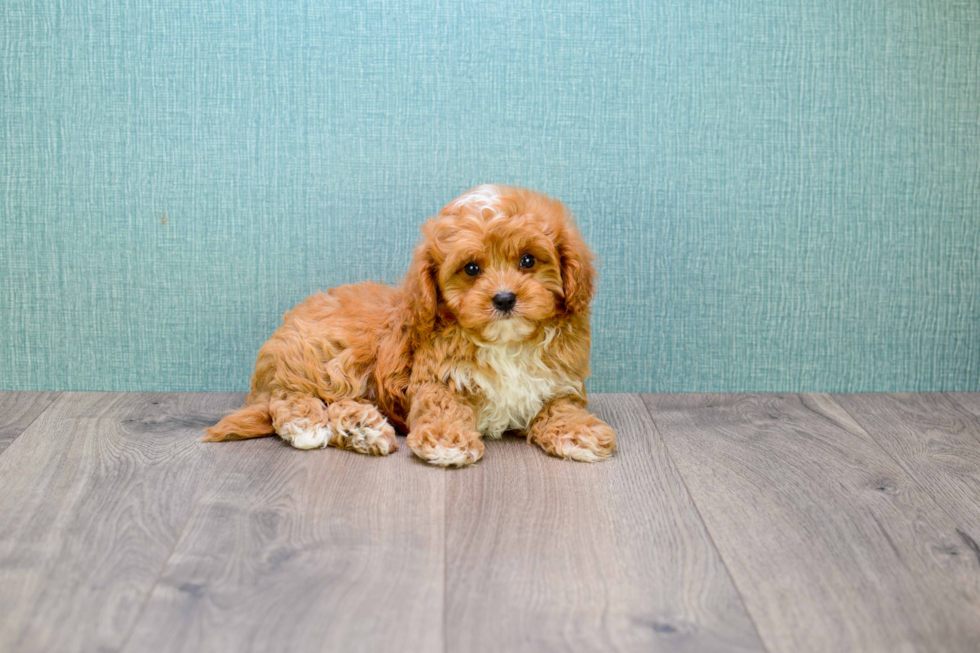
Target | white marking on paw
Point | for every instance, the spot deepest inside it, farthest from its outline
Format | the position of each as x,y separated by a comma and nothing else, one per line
365,439
302,435
575,451
582,454
375,438
449,456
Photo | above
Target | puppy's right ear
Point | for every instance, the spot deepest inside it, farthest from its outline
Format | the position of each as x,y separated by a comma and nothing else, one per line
420,288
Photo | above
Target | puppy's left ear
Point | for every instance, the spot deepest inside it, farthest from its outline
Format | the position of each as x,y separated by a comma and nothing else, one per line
577,270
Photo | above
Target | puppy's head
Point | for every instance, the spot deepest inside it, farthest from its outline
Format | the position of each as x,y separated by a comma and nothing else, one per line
502,262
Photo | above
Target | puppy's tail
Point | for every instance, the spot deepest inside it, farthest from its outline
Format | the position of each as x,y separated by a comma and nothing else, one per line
252,421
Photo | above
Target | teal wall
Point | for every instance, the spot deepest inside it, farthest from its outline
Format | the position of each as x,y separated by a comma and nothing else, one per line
785,195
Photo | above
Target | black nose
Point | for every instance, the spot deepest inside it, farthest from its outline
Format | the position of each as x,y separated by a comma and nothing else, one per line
504,301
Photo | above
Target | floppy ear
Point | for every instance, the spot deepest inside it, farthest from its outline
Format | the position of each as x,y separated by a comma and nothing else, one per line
421,291
577,272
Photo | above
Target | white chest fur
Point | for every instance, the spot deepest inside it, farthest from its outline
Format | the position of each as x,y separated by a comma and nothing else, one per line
512,384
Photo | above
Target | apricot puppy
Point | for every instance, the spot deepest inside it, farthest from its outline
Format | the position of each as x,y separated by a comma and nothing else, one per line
488,334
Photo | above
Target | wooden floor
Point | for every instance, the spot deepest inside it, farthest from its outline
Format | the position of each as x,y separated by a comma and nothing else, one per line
725,523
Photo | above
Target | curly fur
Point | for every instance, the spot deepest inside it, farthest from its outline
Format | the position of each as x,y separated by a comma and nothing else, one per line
435,357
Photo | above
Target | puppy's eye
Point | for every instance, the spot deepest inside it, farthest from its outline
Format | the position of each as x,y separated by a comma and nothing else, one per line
472,269
527,261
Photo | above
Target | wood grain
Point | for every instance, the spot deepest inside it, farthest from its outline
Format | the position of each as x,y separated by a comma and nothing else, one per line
546,554
936,441
847,523
831,544
290,550
18,410
94,495
969,401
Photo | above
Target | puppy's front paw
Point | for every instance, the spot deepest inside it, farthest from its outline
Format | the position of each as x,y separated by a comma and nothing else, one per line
587,439
588,444
304,435
449,456
449,446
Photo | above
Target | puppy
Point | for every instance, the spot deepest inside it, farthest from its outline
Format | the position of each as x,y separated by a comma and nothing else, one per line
488,334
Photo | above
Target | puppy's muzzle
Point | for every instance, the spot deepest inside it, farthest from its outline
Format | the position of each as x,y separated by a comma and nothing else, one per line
504,301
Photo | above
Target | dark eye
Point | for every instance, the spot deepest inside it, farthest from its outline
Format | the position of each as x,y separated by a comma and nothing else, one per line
527,261
472,269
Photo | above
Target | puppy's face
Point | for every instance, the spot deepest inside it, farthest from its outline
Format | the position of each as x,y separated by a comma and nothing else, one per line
502,262
500,277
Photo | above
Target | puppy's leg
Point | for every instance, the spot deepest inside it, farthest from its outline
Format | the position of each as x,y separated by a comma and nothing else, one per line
564,428
443,428
301,420
360,427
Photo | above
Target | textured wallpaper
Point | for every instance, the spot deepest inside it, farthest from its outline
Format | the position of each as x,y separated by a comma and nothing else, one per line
784,196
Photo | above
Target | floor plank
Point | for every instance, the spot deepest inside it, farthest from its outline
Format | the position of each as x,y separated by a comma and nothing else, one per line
545,554
969,401
935,441
18,410
831,544
299,551
94,495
